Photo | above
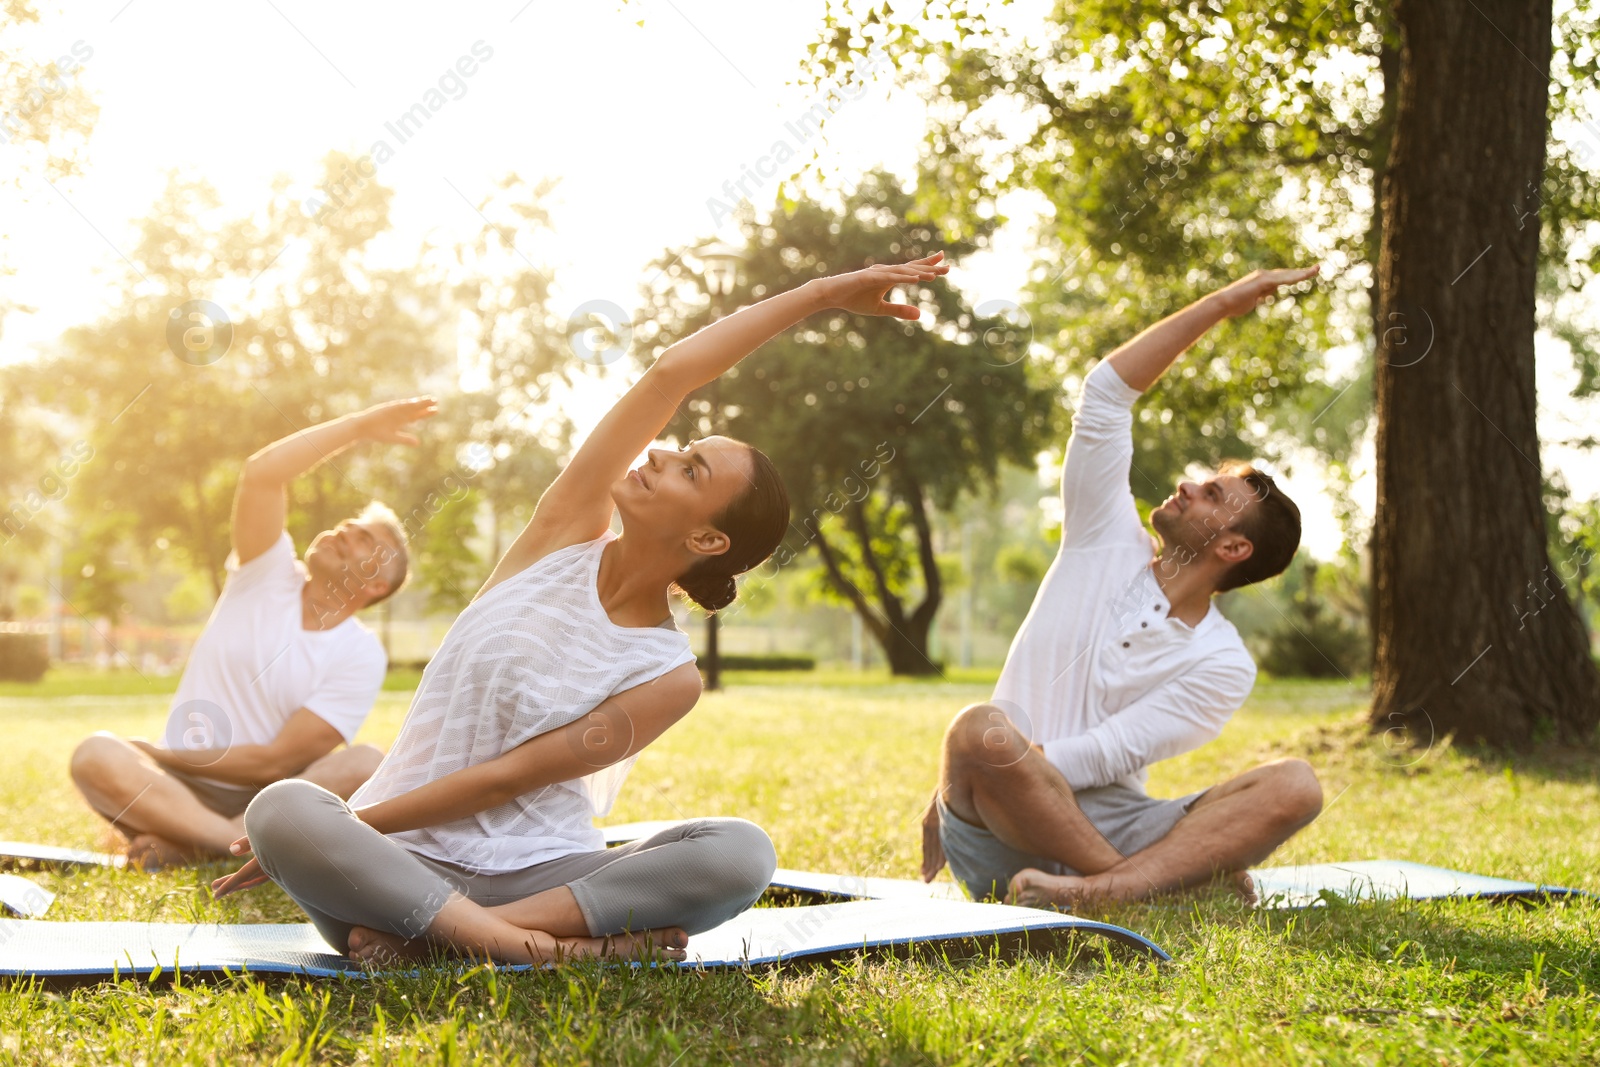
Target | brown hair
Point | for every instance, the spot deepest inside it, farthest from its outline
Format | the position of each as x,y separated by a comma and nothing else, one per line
1271,522
755,522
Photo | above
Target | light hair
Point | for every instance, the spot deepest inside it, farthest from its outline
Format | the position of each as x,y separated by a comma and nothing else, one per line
397,569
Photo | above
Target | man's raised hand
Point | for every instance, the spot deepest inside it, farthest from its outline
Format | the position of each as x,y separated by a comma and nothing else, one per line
863,291
1254,288
387,422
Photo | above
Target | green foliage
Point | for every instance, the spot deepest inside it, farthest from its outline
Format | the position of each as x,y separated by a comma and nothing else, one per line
316,332
1574,529
49,116
451,571
1179,146
1322,630
1021,563
870,420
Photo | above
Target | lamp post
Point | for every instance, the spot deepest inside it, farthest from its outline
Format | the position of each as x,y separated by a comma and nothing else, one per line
719,266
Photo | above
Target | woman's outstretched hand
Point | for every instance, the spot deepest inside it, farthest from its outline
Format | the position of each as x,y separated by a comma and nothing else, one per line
863,291
247,877
1255,288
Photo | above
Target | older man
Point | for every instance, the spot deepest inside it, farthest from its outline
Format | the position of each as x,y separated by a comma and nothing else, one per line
283,674
1122,661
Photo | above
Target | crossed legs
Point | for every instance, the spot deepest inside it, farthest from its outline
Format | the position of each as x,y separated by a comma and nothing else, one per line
370,896
990,776
162,818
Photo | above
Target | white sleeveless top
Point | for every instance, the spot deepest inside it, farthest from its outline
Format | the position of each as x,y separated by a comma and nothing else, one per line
534,653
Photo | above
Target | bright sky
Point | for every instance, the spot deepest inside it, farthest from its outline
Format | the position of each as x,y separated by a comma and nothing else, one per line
643,123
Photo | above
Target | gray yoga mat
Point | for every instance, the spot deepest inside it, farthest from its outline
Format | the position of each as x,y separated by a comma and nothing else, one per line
759,936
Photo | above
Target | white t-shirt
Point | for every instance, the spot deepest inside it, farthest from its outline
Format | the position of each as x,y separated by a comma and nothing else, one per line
254,665
531,655
1099,674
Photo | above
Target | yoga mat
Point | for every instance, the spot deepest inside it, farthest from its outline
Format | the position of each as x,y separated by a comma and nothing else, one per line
58,857
1362,880
23,897
857,887
31,947
1277,887
622,833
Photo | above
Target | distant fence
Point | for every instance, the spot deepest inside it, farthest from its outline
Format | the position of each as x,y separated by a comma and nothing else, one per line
826,636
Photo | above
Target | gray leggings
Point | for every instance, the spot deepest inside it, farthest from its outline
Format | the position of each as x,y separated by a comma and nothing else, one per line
697,874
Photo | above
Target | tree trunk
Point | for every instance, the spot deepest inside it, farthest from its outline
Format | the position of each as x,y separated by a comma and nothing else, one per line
1475,636
904,638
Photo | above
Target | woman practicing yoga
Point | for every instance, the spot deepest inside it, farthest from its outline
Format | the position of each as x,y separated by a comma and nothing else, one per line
475,834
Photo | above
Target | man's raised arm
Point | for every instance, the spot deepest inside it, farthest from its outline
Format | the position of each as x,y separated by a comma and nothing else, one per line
260,503
1142,360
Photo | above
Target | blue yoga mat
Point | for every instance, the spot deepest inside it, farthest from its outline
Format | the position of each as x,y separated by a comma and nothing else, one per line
622,833
1306,885
50,855
22,897
1310,884
759,936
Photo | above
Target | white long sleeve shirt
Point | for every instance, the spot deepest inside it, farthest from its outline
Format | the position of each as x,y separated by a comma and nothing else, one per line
1099,674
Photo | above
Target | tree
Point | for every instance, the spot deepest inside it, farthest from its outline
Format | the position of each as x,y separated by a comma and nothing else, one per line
872,422
1178,144
320,334
1461,542
46,116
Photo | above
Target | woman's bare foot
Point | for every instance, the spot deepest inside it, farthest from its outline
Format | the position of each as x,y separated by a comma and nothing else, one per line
1031,888
147,852
379,948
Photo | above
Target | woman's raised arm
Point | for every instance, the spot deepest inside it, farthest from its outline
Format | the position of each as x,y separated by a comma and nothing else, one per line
577,505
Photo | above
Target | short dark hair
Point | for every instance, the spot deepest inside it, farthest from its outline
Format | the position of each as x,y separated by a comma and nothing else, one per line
755,522
1271,522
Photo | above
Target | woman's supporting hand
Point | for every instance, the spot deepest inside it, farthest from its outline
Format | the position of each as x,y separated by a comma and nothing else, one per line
247,877
863,291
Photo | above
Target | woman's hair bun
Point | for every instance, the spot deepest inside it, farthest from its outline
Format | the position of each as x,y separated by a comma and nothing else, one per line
711,590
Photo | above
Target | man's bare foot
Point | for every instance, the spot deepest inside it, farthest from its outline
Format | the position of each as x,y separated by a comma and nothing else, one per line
668,942
1031,888
1245,886
147,852
380,948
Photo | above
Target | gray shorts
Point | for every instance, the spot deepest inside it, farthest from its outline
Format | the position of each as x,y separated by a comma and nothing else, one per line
1129,819
227,801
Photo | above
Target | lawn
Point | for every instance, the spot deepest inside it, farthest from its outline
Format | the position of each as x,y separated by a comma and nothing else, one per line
837,769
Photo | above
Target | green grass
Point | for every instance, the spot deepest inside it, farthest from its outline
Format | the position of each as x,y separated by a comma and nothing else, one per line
837,768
